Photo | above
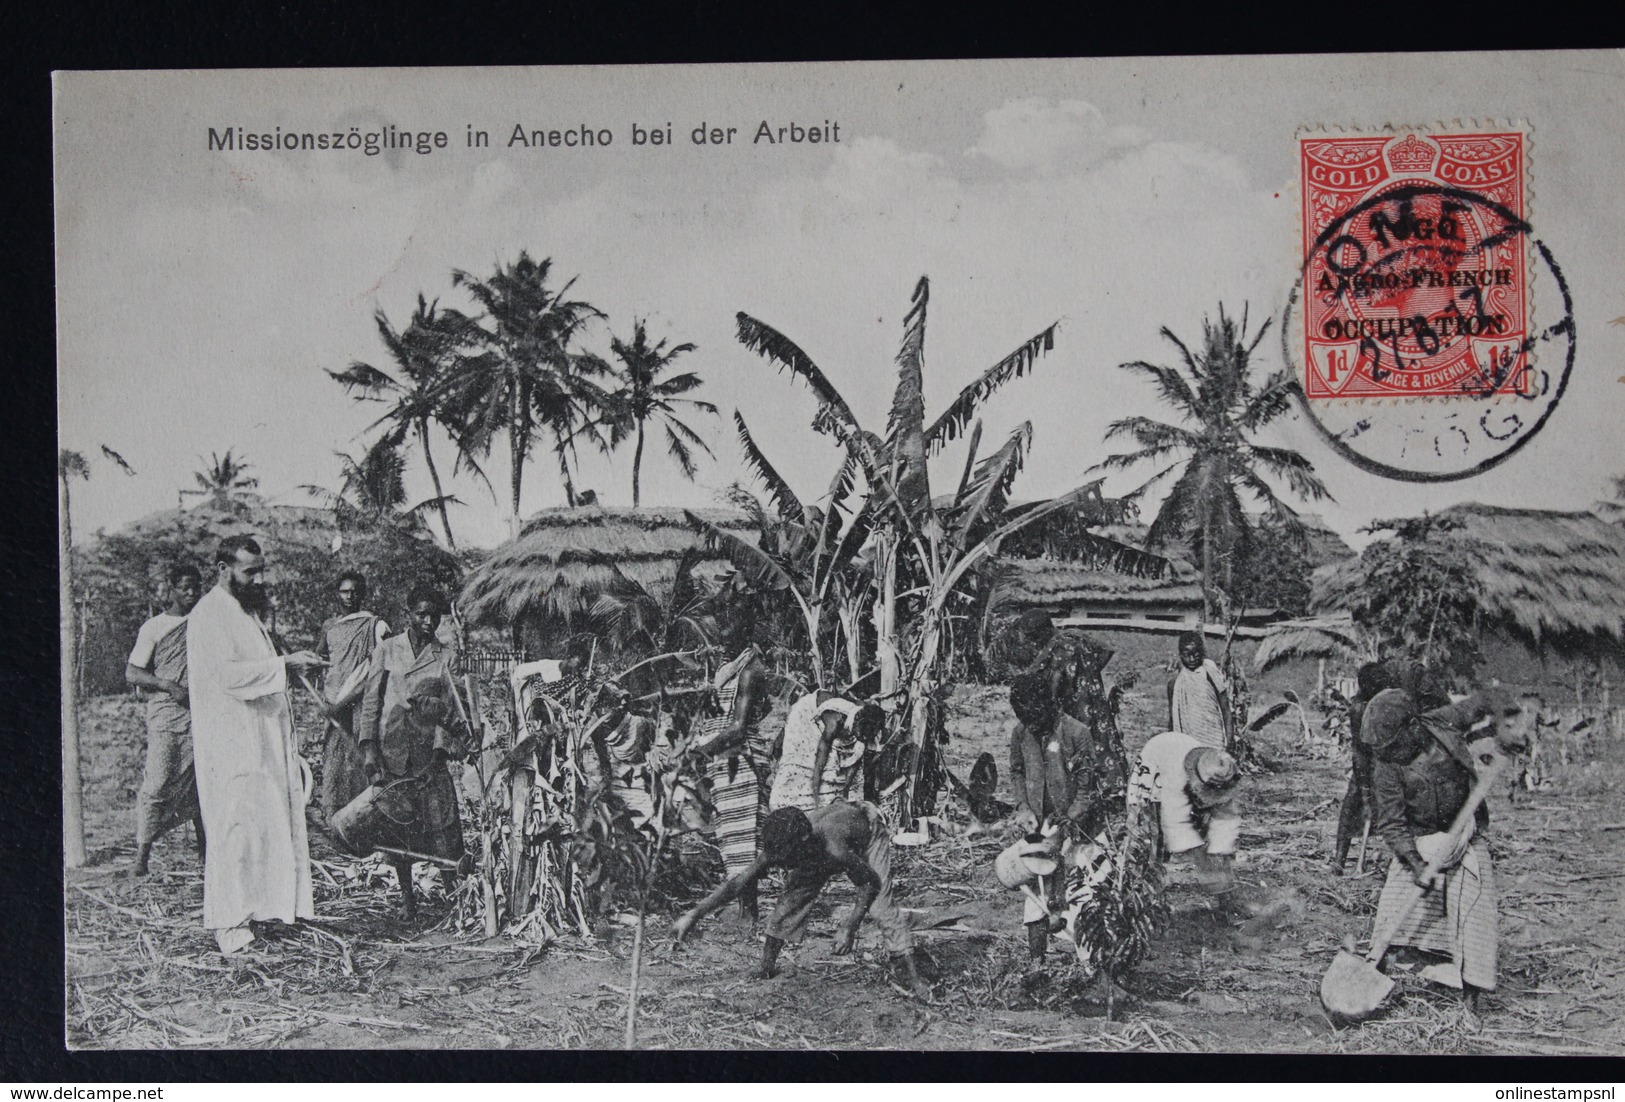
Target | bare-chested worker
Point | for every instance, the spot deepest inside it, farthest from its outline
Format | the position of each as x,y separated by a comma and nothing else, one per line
853,838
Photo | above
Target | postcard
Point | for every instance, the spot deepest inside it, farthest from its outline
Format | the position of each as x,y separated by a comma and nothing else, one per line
1076,554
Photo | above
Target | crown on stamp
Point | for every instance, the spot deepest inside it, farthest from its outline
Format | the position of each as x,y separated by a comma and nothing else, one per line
1412,156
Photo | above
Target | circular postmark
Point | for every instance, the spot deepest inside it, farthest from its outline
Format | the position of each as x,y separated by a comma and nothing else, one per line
1412,332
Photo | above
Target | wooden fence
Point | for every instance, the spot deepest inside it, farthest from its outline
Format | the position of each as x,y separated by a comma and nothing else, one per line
489,661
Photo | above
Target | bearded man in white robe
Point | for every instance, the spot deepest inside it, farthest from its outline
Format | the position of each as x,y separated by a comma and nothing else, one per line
249,781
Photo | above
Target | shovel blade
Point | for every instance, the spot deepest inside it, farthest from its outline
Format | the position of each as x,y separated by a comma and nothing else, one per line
1352,988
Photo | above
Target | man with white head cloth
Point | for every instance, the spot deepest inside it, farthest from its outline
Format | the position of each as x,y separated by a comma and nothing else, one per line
825,735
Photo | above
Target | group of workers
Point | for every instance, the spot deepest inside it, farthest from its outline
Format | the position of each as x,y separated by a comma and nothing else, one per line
221,748
1071,779
222,753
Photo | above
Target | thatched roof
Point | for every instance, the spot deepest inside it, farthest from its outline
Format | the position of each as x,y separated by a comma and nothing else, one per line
564,558
254,517
1334,636
1047,582
1324,545
1555,578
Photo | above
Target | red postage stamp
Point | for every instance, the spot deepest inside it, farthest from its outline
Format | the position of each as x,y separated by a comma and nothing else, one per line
1416,281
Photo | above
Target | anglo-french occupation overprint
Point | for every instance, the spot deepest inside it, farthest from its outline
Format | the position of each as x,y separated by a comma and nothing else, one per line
1418,270
1421,298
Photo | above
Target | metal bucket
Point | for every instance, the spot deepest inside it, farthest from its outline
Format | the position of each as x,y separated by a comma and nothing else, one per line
1025,861
376,816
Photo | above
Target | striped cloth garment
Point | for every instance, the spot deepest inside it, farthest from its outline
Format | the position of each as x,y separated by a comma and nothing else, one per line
737,796
1459,921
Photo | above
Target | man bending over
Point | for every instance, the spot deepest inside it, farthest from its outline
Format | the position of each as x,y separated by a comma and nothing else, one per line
814,846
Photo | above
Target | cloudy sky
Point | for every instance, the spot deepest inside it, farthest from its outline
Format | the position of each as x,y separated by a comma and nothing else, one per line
203,293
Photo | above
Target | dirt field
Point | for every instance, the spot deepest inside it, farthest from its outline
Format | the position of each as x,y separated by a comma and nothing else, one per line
142,972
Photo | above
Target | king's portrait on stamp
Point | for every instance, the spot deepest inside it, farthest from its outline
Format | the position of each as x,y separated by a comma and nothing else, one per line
1419,284
1105,555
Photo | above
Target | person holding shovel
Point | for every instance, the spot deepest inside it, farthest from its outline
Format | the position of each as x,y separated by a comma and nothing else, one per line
1423,773
1389,693
839,837
410,727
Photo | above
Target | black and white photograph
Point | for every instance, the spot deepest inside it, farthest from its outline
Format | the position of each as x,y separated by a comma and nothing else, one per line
1108,555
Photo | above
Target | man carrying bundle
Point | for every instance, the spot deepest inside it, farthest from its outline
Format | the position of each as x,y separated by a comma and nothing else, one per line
410,728
839,837
1424,768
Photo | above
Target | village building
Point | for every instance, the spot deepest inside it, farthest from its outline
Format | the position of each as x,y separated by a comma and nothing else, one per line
1106,584
541,587
1549,591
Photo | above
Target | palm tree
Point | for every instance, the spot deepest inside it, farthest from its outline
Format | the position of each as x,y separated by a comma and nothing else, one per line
424,355
225,482
524,374
640,621
71,466
644,396
372,491
1214,454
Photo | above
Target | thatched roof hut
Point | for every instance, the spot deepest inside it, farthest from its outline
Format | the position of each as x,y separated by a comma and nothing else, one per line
1335,636
1038,583
1554,579
565,558
1324,546
271,522
1099,597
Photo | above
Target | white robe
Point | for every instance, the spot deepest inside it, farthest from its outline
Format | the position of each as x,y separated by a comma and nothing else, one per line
793,782
1196,708
248,774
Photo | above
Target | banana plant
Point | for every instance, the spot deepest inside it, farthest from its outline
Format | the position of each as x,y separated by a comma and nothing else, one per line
913,544
806,549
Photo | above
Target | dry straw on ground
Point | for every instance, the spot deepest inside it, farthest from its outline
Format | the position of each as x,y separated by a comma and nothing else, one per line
143,973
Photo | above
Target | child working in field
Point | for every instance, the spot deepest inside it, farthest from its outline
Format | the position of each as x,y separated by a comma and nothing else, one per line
839,837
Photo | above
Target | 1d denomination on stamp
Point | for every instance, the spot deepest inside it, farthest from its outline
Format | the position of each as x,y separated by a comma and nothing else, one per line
1414,323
